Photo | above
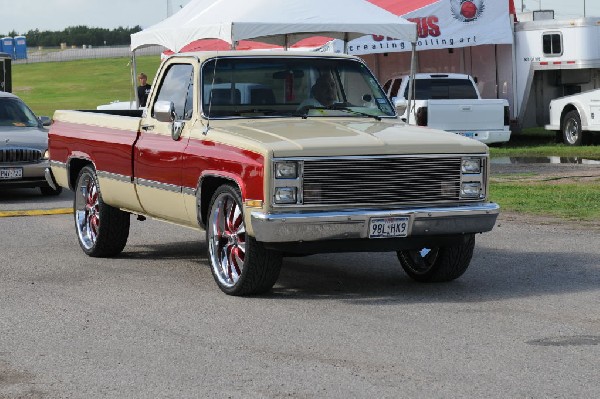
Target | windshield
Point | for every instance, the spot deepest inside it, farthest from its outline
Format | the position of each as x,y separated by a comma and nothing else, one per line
14,112
286,86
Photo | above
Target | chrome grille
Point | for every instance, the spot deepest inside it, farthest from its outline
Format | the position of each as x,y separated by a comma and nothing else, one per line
20,155
382,180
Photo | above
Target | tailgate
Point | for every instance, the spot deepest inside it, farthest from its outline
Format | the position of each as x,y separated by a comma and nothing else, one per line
466,115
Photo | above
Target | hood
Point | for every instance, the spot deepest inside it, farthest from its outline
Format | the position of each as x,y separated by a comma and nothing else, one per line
28,137
340,137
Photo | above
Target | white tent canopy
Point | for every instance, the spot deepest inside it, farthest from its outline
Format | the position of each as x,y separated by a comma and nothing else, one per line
280,22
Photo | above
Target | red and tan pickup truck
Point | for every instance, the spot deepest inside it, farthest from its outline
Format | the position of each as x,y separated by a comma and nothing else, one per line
274,154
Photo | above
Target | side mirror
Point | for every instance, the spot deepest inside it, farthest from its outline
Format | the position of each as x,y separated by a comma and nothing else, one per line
400,104
164,111
45,121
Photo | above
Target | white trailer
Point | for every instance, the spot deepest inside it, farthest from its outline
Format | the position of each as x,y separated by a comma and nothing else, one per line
552,58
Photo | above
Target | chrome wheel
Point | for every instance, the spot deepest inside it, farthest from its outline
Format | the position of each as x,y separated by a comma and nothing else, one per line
227,239
102,230
572,131
240,264
87,210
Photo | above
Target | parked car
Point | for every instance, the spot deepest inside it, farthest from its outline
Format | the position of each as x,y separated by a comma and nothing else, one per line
23,146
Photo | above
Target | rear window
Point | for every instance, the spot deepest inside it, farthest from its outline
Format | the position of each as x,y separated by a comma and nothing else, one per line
443,89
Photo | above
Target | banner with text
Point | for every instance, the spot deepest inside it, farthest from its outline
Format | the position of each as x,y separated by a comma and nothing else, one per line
445,24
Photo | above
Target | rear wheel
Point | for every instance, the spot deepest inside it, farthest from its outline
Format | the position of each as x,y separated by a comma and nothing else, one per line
240,264
102,230
438,264
571,129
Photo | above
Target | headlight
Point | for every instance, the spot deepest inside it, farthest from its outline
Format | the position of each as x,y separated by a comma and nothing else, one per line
46,155
285,195
286,170
471,165
470,190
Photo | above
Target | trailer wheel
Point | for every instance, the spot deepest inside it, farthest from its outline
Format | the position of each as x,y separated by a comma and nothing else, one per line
571,129
102,230
240,264
438,264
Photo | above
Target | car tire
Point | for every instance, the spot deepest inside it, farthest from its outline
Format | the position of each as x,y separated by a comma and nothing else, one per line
240,265
102,230
50,192
438,264
571,129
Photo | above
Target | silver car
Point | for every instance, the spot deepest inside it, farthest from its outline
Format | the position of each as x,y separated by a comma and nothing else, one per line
23,146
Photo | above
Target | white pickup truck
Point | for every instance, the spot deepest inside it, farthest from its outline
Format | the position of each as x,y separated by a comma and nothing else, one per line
575,117
451,102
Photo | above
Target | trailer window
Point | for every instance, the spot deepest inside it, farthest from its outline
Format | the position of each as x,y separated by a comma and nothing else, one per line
552,43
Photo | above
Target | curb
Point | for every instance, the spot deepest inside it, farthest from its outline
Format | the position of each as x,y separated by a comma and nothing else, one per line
36,212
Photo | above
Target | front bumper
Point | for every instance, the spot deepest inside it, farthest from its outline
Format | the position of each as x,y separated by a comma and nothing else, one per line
33,175
354,224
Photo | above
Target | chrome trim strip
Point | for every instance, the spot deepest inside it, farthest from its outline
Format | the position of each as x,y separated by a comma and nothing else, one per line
58,164
158,185
189,191
114,176
314,226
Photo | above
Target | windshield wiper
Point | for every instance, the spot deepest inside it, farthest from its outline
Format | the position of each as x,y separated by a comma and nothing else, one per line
344,107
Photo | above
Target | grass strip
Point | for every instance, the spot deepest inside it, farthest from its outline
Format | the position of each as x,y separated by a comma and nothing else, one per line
576,202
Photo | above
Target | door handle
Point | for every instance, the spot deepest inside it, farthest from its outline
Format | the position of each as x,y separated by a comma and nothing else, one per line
147,127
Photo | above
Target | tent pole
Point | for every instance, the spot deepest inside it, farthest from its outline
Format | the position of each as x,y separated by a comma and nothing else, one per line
411,80
346,43
134,79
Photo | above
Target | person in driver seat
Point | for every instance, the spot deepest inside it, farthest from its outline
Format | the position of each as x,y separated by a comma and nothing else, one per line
323,93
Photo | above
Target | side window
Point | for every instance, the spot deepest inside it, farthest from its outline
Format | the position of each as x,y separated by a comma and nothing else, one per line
552,44
395,87
178,87
386,86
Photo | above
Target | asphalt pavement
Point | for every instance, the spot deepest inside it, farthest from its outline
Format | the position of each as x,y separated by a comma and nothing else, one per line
523,321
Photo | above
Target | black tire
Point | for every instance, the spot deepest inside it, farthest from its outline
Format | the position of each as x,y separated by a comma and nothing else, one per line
240,264
102,230
571,130
49,191
438,264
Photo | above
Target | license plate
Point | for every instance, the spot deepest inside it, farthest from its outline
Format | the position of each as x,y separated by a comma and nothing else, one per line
11,173
388,227
468,134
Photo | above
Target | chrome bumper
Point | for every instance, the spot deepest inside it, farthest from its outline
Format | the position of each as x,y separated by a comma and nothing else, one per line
315,226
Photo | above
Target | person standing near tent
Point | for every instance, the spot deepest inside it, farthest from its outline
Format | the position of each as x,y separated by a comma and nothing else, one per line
143,89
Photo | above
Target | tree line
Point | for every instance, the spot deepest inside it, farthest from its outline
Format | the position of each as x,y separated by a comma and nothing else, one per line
78,36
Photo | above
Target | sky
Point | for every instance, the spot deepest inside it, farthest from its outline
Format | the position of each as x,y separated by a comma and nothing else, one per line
56,15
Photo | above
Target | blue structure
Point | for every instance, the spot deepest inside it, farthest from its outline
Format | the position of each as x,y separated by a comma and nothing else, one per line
8,46
20,44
